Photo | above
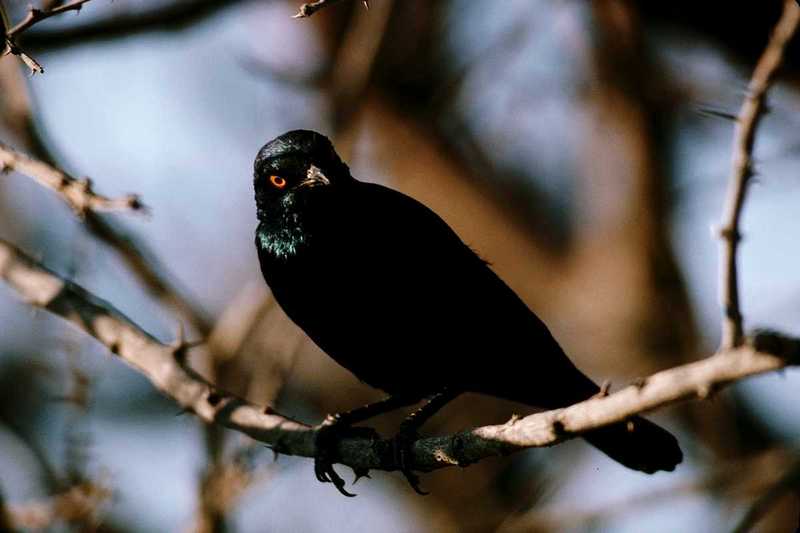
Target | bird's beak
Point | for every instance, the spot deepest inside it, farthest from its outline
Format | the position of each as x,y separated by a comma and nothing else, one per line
314,177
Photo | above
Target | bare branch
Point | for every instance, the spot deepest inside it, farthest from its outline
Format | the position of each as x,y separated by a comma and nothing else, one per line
125,20
742,170
766,352
37,15
34,16
77,193
133,252
309,8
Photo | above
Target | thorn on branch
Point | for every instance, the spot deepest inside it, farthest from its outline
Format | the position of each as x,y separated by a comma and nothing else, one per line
213,398
34,16
729,234
733,313
749,171
604,390
84,184
718,114
134,202
703,391
559,430
513,420
78,194
180,346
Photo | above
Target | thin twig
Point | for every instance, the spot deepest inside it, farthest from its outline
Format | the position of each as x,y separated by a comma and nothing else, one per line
37,15
749,117
33,17
126,20
309,8
163,365
77,193
132,251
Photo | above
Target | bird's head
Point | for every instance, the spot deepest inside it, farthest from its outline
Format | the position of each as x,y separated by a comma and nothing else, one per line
294,164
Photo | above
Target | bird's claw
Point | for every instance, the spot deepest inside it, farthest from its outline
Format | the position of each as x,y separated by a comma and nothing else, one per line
401,448
328,434
326,474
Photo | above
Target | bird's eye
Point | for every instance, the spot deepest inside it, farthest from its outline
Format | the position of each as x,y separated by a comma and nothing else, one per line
277,181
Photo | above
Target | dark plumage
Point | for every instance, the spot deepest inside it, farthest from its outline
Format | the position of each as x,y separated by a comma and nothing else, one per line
386,288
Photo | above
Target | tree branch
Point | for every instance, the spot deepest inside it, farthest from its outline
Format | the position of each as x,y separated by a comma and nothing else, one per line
133,252
37,15
164,366
34,16
749,117
126,21
77,193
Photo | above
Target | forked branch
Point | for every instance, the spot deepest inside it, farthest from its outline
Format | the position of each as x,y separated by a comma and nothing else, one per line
34,16
747,122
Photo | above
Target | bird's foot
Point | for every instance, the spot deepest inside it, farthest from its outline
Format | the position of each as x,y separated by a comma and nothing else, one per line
328,435
401,448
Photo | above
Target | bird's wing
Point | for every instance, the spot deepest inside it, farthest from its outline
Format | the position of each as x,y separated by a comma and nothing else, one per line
439,307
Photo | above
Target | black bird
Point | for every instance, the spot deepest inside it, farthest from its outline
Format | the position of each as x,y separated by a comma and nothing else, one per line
386,288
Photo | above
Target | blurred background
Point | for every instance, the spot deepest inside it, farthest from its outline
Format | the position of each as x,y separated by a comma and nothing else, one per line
576,145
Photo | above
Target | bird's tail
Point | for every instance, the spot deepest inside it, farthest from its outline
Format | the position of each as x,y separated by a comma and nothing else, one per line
638,444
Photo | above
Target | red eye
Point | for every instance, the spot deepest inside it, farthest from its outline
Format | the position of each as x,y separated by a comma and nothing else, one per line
277,181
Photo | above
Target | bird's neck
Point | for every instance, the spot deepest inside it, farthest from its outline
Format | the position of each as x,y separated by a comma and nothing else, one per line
283,229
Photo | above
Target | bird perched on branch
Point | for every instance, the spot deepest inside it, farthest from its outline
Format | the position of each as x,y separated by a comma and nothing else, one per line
386,288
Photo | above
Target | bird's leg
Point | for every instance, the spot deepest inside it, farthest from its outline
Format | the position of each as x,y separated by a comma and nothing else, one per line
405,438
336,425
